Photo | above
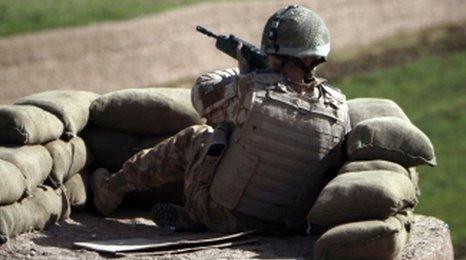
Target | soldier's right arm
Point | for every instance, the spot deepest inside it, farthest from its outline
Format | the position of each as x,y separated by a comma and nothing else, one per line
214,94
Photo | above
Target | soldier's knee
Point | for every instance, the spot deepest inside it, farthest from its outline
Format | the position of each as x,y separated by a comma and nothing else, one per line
191,135
196,129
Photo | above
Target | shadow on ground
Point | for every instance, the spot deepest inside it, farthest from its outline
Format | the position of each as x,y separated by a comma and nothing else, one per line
58,240
429,237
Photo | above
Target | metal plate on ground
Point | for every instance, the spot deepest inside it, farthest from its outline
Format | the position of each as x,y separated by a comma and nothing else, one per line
190,249
116,246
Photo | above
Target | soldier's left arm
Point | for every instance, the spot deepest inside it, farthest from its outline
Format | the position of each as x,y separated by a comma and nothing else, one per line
214,94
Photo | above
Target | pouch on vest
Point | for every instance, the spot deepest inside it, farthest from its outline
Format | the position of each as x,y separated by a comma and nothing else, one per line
216,146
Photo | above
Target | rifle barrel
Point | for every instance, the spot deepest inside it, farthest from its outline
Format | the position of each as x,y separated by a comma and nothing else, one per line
206,32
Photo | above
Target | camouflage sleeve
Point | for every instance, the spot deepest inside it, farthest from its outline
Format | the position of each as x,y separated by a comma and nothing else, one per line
213,94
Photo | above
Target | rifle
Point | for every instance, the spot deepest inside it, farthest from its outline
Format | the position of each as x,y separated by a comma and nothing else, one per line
228,44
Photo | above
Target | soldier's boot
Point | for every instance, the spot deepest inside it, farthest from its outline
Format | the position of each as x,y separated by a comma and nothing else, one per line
109,190
174,217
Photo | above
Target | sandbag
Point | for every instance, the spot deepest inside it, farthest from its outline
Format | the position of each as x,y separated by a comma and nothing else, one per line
34,162
110,149
21,125
68,158
414,176
361,109
364,195
391,139
70,106
359,166
373,239
12,183
145,111
77,190
371,165
36,212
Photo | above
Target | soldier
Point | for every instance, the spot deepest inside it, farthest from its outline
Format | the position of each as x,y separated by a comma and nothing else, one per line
277,141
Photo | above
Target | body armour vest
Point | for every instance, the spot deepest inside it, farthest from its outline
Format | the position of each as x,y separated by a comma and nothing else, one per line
275,164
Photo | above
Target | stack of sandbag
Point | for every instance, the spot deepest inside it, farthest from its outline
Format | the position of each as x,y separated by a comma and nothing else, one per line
39,145
130,120
367,208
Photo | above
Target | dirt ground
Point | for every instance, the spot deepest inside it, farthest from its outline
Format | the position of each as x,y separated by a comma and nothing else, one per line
155,50
429,236
57,241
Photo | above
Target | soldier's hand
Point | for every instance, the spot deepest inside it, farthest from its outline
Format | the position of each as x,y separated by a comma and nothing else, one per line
242,62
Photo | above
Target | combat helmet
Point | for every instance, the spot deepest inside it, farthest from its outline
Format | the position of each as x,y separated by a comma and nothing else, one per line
297,32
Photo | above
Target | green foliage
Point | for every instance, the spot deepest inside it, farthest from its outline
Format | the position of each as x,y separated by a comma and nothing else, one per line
17,16
432,91
398,49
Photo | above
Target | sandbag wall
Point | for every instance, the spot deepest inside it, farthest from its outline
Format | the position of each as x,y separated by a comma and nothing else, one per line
51,142
40,152
367,209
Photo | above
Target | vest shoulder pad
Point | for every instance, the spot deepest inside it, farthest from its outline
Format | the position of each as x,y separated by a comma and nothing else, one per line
334,93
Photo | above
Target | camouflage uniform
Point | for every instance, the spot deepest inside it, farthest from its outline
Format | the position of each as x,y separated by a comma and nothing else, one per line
301,127
221,96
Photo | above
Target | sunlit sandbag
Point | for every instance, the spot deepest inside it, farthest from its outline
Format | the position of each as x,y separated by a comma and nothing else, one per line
69,157
145,111
372,239
21,125
70,106
361,109
363,195
391,139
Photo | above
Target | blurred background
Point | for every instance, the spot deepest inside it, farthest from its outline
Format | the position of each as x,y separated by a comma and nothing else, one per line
411,51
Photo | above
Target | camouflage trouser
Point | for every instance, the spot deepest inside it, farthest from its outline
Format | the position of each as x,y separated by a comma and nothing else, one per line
183,156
